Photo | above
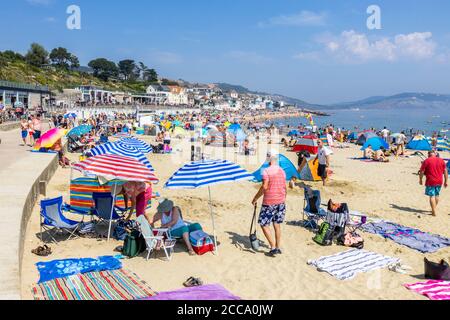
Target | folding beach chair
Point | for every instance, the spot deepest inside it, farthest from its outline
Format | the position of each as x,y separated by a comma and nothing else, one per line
339,220
74,145
156,238
53,220
312,211
104,204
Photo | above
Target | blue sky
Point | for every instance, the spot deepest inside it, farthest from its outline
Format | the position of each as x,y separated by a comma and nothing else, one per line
320,51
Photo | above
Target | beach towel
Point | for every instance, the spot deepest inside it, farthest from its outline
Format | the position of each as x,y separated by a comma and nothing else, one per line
104,285
345,265
412,238
364,160
433,289
206,292
62,268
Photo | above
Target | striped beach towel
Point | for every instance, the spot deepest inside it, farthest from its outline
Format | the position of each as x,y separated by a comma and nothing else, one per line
433,289
105,285
345,265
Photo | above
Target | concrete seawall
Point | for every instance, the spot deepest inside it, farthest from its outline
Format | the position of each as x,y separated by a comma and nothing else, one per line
19,189
9,126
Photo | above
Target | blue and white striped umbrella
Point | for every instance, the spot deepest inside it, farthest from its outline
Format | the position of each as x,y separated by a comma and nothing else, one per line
121,150
206,173
137,144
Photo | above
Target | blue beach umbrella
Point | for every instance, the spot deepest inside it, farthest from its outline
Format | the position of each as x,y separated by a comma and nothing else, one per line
121,150
206,173
80,130
137,144
293,133
70,115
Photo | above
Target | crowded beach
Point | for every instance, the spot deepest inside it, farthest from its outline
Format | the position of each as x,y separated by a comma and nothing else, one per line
213,206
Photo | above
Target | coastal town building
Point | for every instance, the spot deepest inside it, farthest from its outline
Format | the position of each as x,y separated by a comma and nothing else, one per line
27,95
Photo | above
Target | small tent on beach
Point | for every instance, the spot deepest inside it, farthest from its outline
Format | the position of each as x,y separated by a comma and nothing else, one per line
307,143
309,172
376,143
419,143
364,137
285,164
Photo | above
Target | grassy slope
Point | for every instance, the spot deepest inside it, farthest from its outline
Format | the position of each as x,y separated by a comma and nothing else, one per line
60,79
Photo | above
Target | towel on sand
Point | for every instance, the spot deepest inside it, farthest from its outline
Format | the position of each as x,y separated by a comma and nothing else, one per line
62,268
412,238
433,289
206,292
345,265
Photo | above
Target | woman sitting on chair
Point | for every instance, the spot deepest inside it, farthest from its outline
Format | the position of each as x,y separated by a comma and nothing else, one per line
172,219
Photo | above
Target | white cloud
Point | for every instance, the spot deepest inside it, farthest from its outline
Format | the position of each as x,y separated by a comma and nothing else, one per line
351,46
166,57
40,2
301,19
247,57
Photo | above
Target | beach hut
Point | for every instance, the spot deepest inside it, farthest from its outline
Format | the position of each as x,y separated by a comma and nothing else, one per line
309,172
307,143
365,136
285,164
419,143
376,143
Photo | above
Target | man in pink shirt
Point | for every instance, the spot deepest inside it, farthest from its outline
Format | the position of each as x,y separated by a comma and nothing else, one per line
274,202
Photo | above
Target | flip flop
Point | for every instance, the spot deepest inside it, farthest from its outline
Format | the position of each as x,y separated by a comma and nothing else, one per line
189,282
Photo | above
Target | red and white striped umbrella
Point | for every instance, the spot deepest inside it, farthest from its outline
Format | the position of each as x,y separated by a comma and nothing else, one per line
116,167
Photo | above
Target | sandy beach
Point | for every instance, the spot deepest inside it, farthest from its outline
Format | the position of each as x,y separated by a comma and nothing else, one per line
388,191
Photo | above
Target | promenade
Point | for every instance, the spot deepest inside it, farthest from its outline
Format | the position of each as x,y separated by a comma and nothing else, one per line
20,174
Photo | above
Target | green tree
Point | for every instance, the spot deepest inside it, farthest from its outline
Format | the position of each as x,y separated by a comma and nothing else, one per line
127,68
150,75
104,69
74,62
12,56
37,55
60,57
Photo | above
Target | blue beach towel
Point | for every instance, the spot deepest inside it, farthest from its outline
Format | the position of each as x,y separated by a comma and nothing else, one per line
62,268
412,238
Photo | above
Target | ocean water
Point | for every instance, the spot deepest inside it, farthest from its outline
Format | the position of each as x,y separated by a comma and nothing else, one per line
396,120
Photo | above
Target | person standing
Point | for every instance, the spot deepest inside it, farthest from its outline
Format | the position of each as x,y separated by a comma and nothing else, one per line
24,130
385,134
37,126
401,141
273,209
323,156
436,173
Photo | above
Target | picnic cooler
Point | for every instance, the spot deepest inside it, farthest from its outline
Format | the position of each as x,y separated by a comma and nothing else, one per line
201,242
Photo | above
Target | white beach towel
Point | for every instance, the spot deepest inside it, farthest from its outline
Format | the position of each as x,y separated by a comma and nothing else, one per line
345,265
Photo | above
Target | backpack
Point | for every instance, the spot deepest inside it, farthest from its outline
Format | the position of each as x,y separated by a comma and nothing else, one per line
134,244
324,235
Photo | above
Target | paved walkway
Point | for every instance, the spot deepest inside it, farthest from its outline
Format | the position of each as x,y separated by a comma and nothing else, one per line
20,173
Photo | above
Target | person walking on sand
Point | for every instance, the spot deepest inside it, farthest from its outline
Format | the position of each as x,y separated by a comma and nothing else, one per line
323,156
273,209
24,130
436,173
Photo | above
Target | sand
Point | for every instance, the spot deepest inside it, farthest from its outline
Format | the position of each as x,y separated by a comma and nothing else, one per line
382,190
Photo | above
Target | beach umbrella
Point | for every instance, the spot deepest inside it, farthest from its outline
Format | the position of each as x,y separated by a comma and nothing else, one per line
70,115
121,135
234,127
113,167
80,130
120,149
239,135
142,146
206,173
49,138
293,133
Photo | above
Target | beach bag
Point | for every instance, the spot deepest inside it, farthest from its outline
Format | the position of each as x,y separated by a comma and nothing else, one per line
352,240
201,242
134,244
253,237
324,235
437,271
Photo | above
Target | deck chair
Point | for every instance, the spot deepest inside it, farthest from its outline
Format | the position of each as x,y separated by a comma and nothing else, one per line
103,202
74,144
339,220
156,238
53,220
312,211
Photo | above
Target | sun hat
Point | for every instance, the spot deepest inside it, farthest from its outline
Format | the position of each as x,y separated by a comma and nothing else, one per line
165,205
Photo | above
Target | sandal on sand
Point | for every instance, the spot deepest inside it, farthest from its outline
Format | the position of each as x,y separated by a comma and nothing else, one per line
42,251
193,282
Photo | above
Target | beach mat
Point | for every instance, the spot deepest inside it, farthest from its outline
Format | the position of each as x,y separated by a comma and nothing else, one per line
412,238
104,285
433,289
206,292
345,265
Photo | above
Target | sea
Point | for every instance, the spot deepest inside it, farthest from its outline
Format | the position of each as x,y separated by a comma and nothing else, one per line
427,120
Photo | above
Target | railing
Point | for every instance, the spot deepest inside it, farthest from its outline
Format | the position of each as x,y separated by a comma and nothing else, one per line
23,86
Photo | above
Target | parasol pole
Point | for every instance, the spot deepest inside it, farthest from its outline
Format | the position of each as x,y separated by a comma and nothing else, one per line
112,210
213,224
